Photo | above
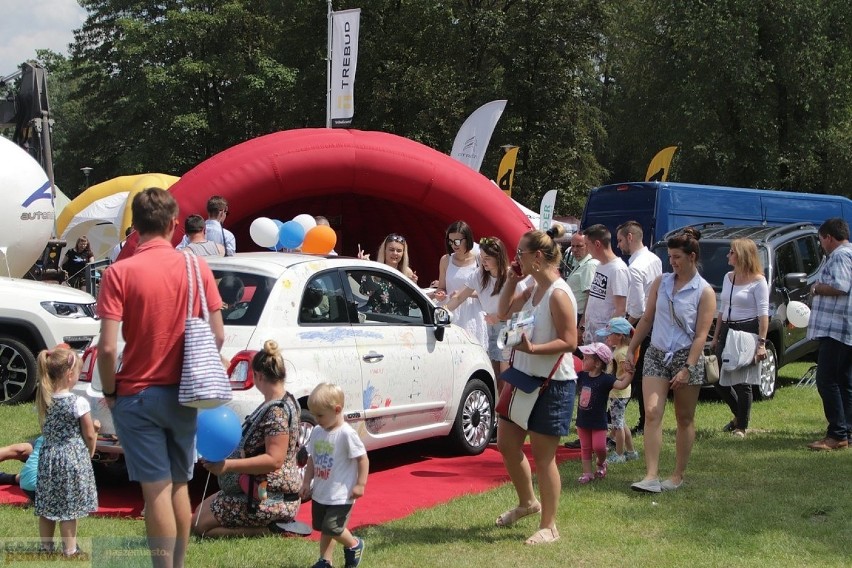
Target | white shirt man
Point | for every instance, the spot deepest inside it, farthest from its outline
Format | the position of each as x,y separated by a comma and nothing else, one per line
608,291
644,268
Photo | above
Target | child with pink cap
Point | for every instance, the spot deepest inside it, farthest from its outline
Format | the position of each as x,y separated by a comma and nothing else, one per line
593,386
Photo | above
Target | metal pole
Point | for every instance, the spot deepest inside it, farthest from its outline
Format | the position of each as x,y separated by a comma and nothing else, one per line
328,73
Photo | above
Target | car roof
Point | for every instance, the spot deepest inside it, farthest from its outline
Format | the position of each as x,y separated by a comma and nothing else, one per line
274,264
758,233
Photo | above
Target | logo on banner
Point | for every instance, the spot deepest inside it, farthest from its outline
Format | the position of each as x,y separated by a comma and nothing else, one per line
469,148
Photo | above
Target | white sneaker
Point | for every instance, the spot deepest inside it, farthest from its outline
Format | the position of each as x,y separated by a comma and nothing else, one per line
616,458
631,456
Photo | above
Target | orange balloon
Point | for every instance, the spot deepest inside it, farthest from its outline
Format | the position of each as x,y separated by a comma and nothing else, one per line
319,240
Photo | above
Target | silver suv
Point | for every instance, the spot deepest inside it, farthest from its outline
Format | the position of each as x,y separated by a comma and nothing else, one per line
35,316
791,257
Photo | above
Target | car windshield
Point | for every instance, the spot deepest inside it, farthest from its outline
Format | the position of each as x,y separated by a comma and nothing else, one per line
714,261
243,295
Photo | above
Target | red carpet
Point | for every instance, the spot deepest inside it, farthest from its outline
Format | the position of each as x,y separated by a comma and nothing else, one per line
402,480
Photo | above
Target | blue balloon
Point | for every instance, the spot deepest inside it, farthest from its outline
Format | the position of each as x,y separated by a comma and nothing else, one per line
291,235
278,246
219,432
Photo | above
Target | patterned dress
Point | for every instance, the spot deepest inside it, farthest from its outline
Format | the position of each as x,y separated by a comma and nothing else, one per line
231,510
65,487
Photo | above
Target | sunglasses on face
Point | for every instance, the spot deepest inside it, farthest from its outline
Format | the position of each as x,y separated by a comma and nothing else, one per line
396,238
456,242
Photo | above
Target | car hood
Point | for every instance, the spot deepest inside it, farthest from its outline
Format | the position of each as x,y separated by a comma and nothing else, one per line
42,291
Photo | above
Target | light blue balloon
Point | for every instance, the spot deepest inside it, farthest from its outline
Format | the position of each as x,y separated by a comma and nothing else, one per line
290,235
278,246
218,434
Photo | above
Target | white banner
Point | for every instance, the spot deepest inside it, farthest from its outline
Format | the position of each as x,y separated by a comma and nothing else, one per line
474,135
548,203
344,59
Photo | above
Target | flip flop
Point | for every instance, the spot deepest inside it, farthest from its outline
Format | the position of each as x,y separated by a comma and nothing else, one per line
543,536
291,528
512,516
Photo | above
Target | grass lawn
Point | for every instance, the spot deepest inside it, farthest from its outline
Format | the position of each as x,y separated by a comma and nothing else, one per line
761,501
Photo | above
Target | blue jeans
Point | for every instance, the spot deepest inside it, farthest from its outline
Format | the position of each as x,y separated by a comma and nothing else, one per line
834,383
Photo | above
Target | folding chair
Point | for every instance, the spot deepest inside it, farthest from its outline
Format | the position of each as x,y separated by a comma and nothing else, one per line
809,378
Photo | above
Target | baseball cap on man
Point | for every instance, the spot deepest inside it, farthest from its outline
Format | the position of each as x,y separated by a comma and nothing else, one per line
616,325
598,349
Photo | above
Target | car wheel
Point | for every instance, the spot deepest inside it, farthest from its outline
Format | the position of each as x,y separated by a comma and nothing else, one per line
18,375
307,423
768,373
474,419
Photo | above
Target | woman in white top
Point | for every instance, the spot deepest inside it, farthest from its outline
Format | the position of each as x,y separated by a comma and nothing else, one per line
680,308
554,334
745,307
454,270
487,283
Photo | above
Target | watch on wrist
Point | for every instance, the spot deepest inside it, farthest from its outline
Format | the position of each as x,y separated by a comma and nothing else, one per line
761,341
108,394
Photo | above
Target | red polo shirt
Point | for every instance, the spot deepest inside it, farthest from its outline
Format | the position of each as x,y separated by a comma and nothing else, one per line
147,292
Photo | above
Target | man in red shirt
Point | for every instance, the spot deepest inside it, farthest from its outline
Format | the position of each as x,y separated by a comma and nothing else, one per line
147,296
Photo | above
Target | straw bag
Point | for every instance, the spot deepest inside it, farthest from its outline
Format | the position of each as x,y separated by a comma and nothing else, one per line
203,382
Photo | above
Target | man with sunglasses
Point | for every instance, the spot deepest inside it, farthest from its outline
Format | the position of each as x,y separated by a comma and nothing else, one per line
217,212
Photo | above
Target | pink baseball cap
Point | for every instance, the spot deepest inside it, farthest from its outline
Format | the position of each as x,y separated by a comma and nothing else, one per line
600,350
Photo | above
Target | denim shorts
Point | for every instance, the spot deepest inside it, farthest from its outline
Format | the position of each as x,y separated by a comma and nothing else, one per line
656,365
330,519
157,435
494,352
554,409
617,406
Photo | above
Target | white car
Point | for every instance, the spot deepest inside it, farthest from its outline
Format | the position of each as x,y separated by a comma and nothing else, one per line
36,316
407,373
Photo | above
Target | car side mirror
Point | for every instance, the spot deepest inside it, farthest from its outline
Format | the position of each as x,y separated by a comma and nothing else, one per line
795,280
442,318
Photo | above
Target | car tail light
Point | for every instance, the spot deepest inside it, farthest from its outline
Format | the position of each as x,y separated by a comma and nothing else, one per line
90,359
239,372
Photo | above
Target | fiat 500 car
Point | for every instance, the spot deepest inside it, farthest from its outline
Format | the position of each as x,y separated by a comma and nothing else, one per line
406,371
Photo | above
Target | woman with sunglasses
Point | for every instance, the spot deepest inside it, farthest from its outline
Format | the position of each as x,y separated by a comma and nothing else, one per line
454,270
545,353
680,309
383,296
393,252
487,283
745,307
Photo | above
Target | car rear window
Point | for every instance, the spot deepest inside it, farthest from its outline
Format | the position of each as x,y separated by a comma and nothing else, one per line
713,264
244,296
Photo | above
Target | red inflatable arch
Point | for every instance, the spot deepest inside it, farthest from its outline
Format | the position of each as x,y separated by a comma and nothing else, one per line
368,184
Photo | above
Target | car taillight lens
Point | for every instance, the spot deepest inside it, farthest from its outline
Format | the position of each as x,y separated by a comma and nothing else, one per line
239,372
90,358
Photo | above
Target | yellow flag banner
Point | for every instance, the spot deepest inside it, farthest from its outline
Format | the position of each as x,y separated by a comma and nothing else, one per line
658,169
506,171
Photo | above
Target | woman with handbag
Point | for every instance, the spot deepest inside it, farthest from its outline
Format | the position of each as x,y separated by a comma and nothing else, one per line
680,308
540,355
745,307
260,481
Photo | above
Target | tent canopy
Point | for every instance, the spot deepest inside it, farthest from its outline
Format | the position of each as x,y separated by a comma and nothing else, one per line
102,212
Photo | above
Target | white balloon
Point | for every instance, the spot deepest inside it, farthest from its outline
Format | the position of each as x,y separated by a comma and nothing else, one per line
306,221
26,218
798,314
264,232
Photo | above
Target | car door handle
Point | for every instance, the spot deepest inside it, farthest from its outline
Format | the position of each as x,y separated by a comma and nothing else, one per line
373,357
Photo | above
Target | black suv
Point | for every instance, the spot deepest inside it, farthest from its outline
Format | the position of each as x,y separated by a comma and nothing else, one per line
791,256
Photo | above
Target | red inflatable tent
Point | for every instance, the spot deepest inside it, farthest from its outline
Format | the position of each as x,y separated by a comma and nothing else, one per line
368,184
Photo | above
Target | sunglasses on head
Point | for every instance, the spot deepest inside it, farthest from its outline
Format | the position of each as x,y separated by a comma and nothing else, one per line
396,238
457,242
487,241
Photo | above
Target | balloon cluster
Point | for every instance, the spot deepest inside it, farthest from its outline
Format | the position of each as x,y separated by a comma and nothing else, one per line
302,232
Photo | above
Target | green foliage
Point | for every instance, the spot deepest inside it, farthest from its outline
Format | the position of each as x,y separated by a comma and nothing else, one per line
753,94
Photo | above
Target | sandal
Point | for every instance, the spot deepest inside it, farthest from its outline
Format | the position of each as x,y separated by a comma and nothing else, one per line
543,536
512,516
585,478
